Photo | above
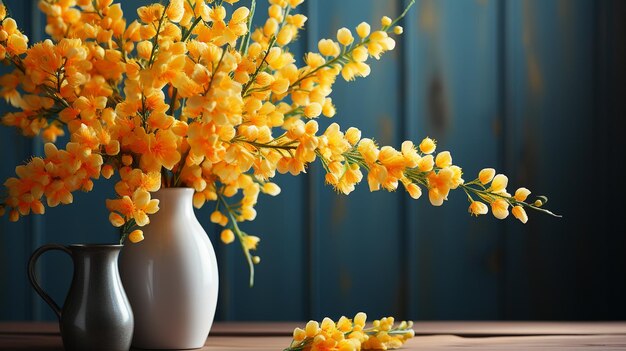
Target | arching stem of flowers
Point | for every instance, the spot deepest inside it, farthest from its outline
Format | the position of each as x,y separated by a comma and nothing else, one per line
347,53
510,199
240,234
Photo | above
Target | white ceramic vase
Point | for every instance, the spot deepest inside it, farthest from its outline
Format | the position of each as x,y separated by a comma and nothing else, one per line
171,277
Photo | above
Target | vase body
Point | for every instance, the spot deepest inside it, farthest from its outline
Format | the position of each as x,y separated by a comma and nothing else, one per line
96,314
171,277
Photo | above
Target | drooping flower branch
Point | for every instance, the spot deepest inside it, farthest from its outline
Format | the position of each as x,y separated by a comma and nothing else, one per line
190,95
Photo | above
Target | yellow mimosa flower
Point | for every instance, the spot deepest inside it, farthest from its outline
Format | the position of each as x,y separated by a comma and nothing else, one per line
227,236
477,208
312,329
116,219
363,29
486,175
500,208
499,183
136,236
344,36
520,213
521,194
428,146
443,159
328,47
426,163
250,242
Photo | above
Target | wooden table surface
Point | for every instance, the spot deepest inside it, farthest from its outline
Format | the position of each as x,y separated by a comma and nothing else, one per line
429,336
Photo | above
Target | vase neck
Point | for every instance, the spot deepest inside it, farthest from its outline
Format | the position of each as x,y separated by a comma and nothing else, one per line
175,201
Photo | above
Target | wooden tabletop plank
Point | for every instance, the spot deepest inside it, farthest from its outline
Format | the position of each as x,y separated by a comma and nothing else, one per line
473,328
432,343
23,336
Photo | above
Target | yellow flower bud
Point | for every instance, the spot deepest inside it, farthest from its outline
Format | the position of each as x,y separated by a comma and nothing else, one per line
363,29
116,220
271,189
286,35
14,216
314,60
360,318
107,171
328,109
297,20
344,36
299,334
270,27
144,49
331,179
312,110
127,160
353,135
312,329
426,163
520,213
486,175
360,54
521,194
240,14
327,324
135,236
398,30
444,159
264,79
385,21
227,236
428,146
295,3
256,259
216,216
414,190
328,47
175,10
538,203
499,183
477,208
275,11
500,208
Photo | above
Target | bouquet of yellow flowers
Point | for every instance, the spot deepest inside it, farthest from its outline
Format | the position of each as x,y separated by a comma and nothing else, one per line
191,95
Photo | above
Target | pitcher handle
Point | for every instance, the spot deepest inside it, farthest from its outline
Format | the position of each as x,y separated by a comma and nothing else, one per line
33,279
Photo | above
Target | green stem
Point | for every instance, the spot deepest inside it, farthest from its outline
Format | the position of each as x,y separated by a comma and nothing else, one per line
240,235
245,41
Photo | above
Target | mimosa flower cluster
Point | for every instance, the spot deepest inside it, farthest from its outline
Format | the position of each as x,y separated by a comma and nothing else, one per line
191,95
351,335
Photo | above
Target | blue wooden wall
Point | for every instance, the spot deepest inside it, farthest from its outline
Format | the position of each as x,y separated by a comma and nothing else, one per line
530,87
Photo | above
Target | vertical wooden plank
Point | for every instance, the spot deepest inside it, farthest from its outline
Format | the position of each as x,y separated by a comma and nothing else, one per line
556,268
16,239
452,97
609,129
357,235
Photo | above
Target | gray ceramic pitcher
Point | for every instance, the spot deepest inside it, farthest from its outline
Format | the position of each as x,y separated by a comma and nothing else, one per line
96,314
